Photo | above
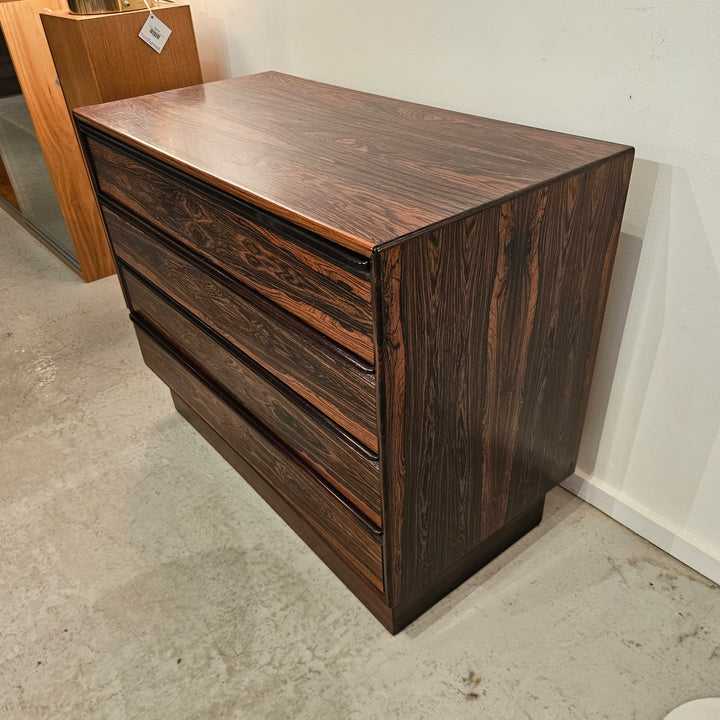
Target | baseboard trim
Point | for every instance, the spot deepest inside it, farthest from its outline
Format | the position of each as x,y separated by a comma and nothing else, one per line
655,529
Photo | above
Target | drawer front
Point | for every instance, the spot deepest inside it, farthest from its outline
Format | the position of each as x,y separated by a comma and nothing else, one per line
264,252
342,527
336,383
341,461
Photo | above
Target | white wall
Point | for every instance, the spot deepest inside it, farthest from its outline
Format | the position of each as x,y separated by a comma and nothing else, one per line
632,71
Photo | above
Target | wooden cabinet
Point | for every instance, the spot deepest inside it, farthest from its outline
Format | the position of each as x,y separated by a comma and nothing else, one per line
101,58
87,251
96,58
384,315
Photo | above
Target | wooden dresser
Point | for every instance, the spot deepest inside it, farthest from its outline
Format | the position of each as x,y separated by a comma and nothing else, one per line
384,315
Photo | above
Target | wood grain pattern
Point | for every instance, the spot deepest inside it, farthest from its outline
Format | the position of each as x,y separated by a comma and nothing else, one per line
333,453
312,366
365,591
453,575
394,619
266,253
359,169
100,58
489,331
33,64
490,249
339,524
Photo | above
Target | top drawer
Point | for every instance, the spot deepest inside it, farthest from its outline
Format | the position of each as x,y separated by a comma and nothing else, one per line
326,286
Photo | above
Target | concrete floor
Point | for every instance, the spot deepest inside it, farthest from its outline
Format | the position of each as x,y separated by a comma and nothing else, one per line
141,578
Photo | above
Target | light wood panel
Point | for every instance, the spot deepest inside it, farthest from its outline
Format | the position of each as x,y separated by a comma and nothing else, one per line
20,21
100,57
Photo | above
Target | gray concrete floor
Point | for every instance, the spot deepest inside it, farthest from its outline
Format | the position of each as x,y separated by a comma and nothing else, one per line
141,578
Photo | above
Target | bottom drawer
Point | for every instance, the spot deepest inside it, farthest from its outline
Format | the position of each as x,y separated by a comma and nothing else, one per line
352,537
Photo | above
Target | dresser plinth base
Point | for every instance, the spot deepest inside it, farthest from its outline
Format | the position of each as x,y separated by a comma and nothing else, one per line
410,609
395,618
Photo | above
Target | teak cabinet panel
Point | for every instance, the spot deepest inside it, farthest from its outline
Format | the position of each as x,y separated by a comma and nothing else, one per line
99,57
22,29
384,315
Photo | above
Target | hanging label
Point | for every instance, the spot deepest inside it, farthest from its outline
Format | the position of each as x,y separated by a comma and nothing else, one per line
155,33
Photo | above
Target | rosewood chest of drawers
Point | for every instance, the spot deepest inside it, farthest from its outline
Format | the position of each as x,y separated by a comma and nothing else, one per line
384,315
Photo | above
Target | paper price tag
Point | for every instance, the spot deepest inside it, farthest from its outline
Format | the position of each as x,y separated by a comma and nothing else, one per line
155,33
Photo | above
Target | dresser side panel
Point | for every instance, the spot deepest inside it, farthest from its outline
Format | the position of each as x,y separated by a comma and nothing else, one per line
488,329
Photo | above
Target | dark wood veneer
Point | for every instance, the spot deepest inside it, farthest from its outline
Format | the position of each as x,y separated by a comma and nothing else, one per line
343,389
384,315
453,575
317,245
395,618
342,527
337,456
334,299
489,331
364,590
356,168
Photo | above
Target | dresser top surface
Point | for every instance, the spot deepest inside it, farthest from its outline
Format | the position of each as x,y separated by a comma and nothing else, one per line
357,168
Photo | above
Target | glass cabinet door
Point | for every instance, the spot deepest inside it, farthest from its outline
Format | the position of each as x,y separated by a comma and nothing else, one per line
26,190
